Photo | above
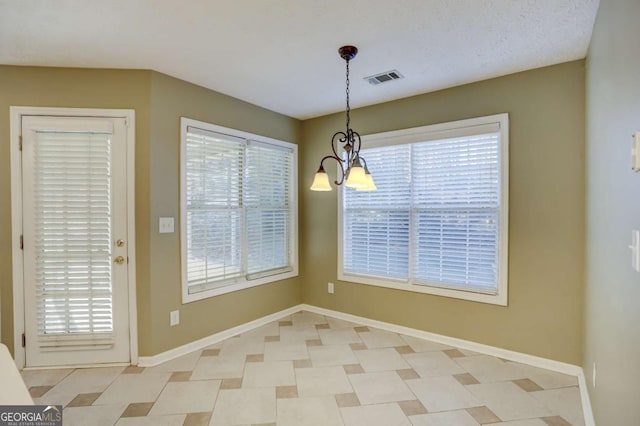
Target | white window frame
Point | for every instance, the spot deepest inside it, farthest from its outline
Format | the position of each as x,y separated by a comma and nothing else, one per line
240,283
433,132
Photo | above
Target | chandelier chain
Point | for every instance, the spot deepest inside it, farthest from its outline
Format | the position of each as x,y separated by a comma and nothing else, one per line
348,106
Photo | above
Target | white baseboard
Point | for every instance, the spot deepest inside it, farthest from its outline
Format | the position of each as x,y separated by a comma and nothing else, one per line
589,420
151,361
105,365
545,363
548,364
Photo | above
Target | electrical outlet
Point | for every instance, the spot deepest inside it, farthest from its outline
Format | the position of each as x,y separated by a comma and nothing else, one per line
330,288
174,318
593,375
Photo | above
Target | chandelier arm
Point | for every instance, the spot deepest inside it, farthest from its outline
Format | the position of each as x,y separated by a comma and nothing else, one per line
341,168
337,138
356,137
364,162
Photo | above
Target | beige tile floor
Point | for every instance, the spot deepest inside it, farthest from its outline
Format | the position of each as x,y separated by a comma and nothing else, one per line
308,369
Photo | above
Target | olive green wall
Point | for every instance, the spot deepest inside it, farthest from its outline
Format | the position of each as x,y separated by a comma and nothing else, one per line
612,315
76,88
158,101
546,108
546,204
171,99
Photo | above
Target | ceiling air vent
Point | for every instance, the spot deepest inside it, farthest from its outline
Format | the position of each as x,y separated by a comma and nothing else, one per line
384,77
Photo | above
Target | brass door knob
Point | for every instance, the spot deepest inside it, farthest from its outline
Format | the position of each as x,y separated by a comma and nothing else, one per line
119,260
120,243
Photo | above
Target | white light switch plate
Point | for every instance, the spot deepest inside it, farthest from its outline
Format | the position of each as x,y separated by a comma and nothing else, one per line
174,318
635,250
635,152
166,225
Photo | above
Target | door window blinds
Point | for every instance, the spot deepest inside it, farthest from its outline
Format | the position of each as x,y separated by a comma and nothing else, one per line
72,242
238,209
435,217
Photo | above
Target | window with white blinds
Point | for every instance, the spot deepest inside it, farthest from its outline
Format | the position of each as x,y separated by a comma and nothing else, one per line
267,200
238,193
438,221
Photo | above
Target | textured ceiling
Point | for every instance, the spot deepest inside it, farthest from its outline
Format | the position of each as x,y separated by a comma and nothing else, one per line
282,54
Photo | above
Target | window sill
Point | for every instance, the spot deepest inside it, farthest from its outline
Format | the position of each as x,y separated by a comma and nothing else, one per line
237,286
497,299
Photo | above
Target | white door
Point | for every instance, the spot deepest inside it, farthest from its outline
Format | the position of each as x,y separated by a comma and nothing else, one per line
75,240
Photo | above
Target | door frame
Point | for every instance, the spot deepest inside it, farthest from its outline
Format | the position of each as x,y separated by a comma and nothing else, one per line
16,114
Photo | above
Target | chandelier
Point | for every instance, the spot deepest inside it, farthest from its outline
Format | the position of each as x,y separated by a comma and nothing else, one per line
352,170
